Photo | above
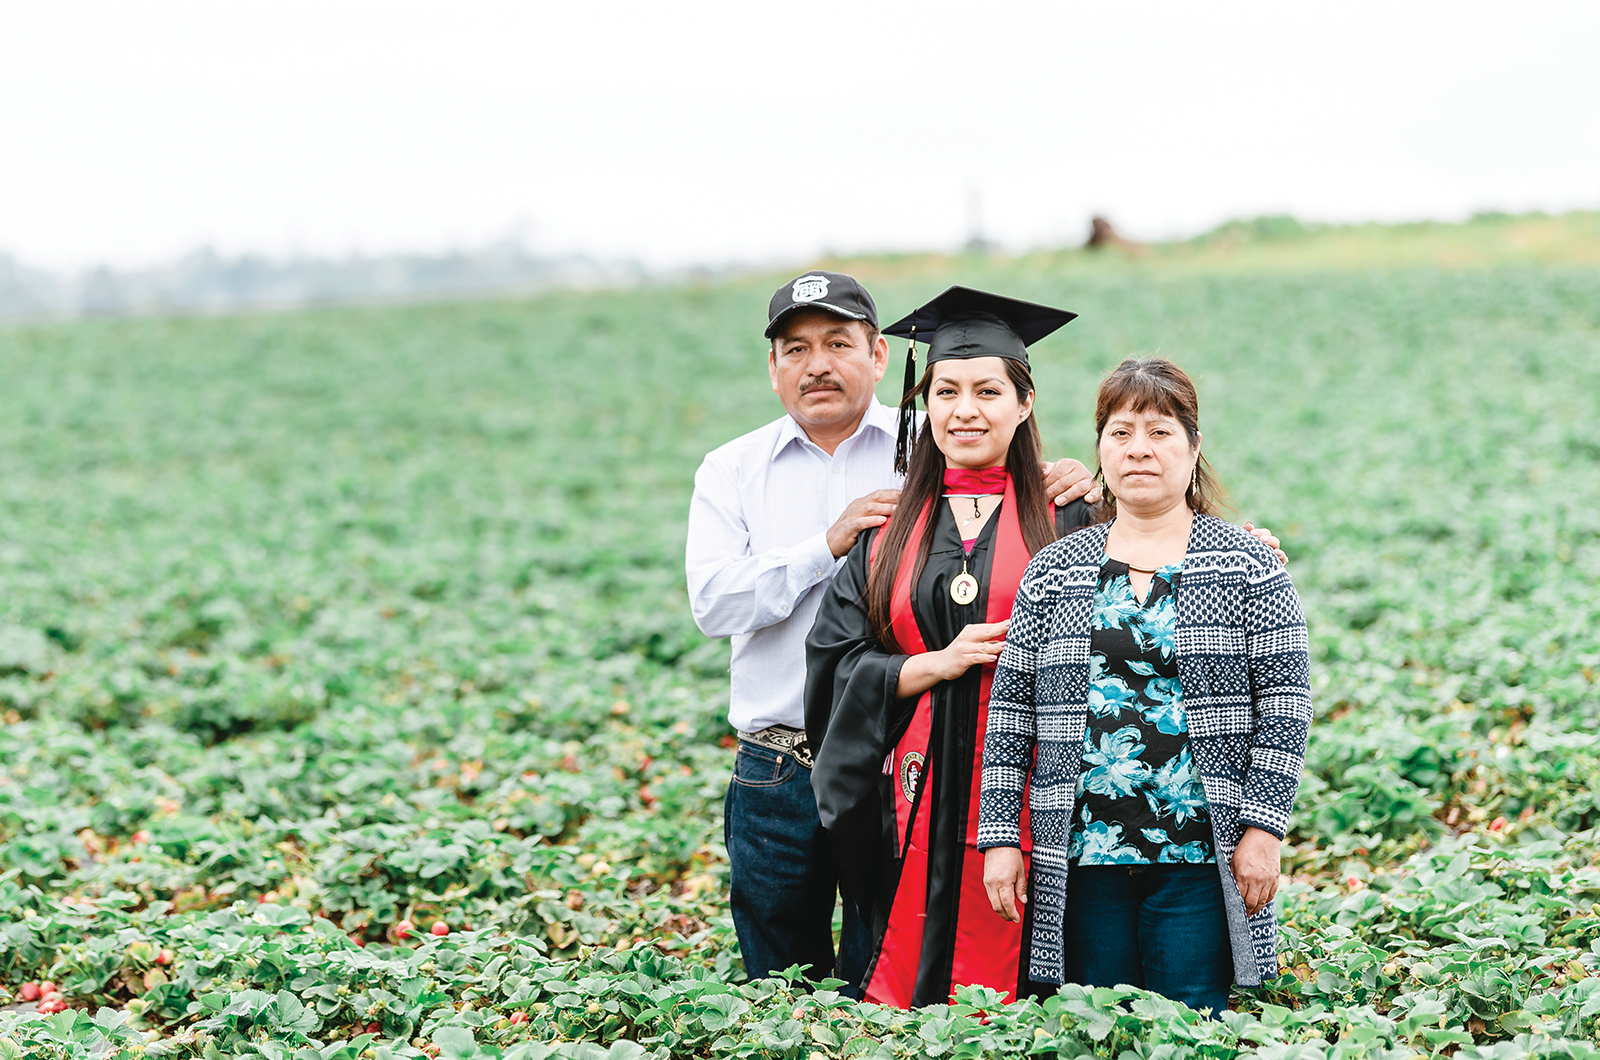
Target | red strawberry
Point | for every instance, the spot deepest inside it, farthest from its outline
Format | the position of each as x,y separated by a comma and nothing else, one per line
47,988
141,836
519,1017
51,1005
1497,825
404,929
29,992
164,957
440,928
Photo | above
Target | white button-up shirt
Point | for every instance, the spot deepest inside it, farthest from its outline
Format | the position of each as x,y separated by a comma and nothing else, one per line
758,560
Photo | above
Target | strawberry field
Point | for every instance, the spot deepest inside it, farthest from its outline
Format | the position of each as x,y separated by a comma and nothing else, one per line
352,706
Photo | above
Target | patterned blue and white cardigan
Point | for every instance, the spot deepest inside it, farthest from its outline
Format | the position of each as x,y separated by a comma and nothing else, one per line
1244,668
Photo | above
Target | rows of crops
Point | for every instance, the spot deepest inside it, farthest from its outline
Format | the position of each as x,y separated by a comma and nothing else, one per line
320,630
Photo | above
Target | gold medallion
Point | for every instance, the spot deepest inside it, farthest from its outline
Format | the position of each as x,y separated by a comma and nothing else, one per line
964,589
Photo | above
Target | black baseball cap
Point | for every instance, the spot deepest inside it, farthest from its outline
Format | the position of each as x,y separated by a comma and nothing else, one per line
833,291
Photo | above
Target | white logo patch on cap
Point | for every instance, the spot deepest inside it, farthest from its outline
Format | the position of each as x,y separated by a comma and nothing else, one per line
810,288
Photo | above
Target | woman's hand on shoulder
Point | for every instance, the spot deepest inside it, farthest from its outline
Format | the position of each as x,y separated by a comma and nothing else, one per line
1005,878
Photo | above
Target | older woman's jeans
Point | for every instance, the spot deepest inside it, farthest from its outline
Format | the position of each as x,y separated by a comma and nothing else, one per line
784,880
1158,927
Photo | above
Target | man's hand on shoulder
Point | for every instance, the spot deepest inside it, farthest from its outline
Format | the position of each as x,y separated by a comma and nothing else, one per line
860,514
1066,480
1268,538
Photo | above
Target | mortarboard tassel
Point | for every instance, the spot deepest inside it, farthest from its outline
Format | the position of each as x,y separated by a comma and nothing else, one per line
908,409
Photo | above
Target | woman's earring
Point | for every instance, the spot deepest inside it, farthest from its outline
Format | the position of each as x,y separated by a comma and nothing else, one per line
1194,481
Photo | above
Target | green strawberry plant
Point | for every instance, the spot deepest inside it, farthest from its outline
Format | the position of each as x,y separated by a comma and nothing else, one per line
321,629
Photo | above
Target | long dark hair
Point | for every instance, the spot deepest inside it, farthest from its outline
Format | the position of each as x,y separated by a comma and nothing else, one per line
925,483
1155,383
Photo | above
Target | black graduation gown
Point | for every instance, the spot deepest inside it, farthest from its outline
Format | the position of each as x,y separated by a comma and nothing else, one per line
854,719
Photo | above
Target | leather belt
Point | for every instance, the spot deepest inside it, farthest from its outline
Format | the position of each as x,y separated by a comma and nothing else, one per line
785,739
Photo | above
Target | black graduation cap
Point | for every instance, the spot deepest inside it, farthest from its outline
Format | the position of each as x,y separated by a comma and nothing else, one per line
964,323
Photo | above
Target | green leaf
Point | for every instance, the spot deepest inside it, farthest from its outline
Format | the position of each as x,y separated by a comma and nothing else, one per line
720,1011
289,1014
824,1035
1590,1006
1438,1037
1330,982
285,916
455,1043
62,1024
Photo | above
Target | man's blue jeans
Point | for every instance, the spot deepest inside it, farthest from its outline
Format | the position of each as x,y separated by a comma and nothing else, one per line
1158,927
783,873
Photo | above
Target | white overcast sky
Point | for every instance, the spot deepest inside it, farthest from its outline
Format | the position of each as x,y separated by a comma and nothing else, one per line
681,132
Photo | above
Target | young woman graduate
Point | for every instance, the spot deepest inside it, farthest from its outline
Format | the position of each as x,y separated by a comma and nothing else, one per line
899,662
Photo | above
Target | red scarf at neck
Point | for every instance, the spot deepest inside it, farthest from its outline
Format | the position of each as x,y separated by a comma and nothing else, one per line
982,481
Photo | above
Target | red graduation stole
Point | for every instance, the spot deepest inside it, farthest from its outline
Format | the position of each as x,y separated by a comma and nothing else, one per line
894,969
1005,575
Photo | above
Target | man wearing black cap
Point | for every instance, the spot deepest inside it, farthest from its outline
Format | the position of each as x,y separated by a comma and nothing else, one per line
772,514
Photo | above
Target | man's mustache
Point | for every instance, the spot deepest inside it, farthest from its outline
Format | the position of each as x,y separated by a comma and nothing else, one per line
820,380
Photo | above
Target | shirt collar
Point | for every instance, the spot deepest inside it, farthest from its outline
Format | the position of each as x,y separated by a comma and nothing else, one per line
877,417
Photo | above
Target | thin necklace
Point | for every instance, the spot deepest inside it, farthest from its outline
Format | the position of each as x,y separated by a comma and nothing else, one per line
964,587
977,513
1141,570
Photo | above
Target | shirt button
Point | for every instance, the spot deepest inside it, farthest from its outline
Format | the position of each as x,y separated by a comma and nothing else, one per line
817,572
837,470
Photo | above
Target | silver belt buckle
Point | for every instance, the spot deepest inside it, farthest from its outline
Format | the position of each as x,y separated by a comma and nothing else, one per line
784,739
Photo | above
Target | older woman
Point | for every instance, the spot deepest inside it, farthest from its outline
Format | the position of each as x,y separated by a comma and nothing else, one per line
1154,690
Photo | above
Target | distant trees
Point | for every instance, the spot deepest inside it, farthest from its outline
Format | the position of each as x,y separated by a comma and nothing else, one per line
206,281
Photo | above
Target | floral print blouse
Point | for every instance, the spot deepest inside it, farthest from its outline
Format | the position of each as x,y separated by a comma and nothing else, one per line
1139,800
